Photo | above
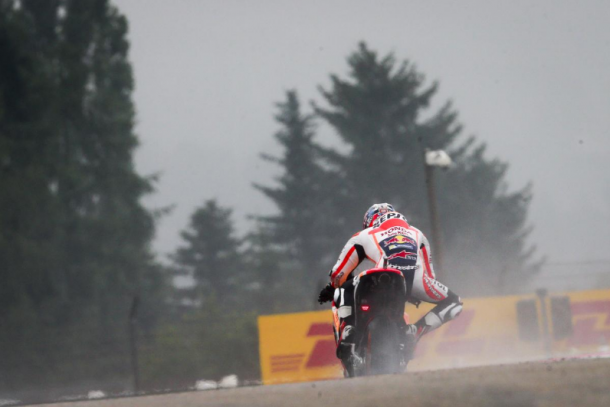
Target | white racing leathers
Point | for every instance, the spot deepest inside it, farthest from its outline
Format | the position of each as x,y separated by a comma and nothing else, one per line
392,243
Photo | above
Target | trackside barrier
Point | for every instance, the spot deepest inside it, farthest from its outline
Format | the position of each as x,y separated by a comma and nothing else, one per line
300,347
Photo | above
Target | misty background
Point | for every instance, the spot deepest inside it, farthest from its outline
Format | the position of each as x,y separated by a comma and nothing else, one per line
233,147
530,79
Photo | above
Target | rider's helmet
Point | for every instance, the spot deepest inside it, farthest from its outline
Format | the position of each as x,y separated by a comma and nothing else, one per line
374,212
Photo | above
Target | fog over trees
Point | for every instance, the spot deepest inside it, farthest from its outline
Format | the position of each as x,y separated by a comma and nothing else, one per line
381,113
75,240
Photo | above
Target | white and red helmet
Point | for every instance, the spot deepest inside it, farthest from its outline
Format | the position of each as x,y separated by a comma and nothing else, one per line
374,212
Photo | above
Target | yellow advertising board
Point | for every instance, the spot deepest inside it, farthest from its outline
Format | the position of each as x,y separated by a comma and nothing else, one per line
301,346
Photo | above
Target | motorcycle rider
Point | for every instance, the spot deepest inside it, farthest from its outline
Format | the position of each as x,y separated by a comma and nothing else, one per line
389,241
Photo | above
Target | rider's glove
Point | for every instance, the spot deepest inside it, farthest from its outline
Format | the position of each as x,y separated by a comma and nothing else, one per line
326,294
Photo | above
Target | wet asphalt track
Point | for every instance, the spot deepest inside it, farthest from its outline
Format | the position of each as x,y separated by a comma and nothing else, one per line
574,383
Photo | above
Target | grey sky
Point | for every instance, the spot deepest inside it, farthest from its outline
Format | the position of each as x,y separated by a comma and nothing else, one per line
532,79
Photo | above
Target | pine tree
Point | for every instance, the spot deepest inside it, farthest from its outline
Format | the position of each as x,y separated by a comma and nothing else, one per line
97,185
212,254
303,196
74,237
382,114
268,287
27,207
377,114
72,225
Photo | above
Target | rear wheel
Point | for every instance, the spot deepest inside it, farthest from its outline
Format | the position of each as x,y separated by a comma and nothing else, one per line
383,348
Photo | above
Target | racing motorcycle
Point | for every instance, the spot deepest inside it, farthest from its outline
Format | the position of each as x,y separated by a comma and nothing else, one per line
379,301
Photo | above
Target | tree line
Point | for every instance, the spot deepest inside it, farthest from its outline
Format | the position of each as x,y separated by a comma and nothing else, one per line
75,240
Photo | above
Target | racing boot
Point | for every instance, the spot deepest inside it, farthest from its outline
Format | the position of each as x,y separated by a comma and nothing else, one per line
409,341
346,351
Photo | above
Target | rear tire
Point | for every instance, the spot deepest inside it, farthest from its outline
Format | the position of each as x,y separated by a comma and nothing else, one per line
383,347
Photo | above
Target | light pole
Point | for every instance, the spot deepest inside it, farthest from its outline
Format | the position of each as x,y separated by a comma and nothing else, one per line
435,158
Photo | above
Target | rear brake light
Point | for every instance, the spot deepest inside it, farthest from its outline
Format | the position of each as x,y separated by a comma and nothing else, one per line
365,307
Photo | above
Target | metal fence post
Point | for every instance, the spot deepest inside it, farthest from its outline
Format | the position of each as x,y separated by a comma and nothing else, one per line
546,336
133,343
